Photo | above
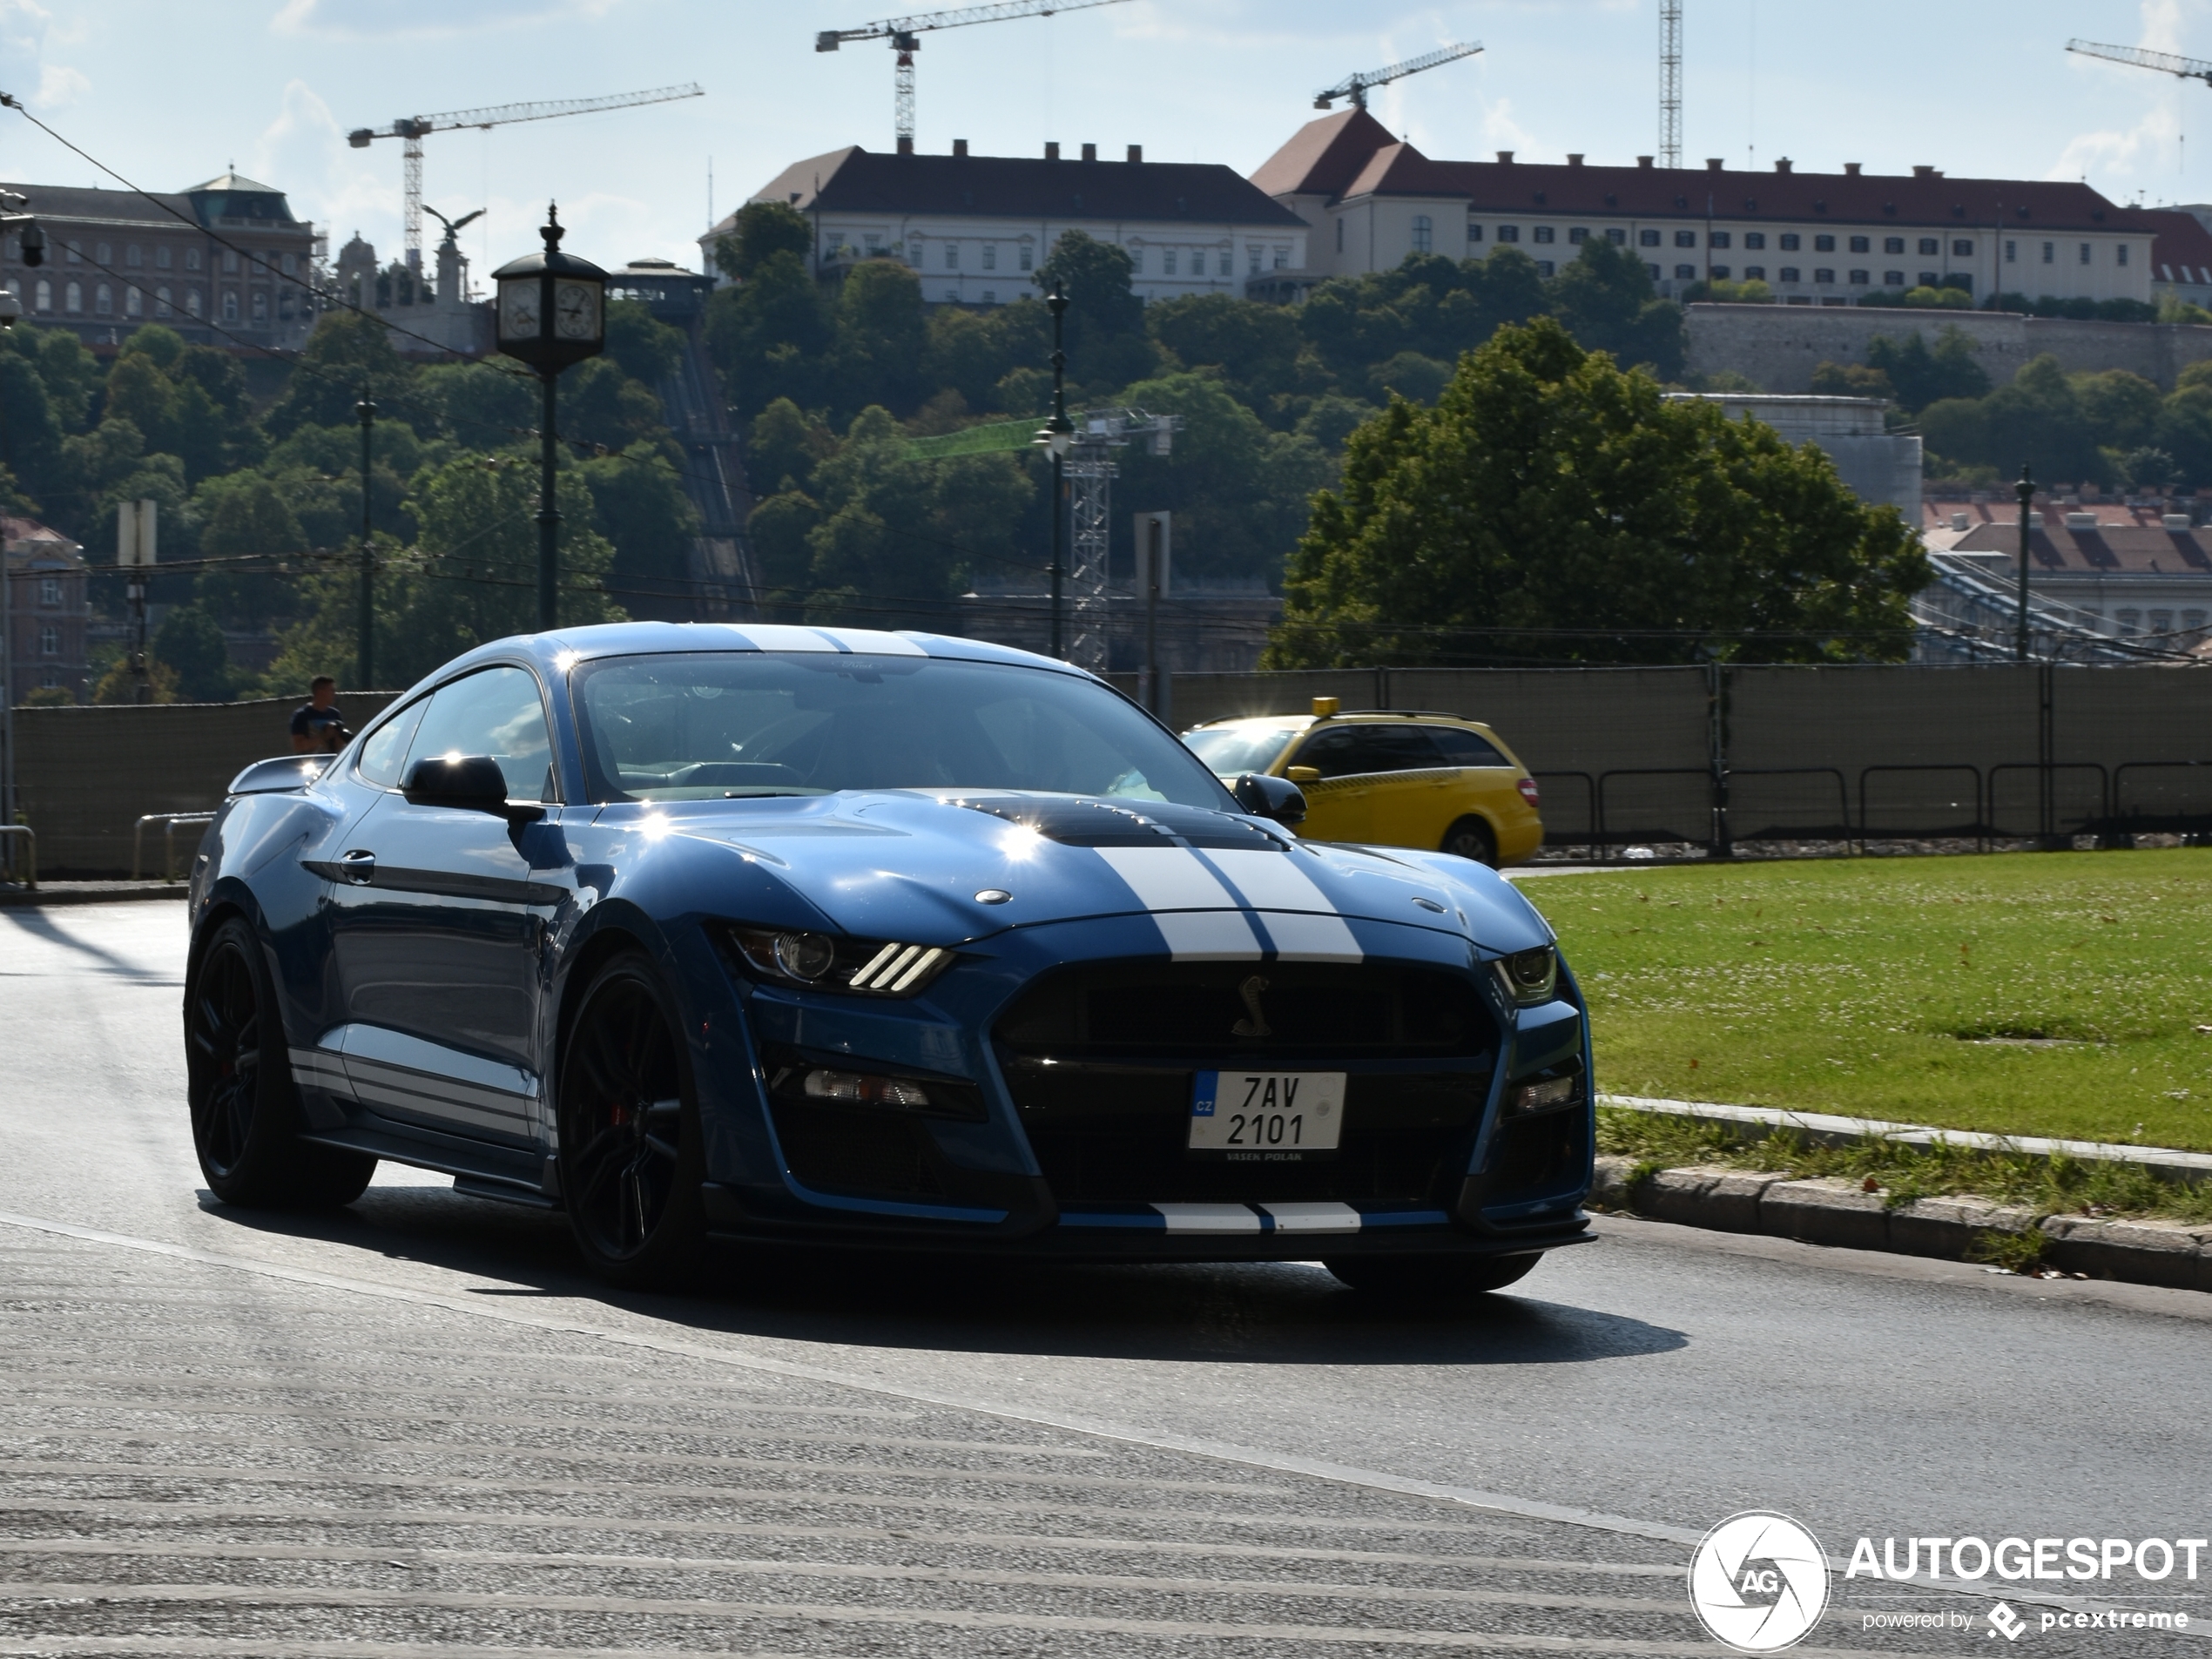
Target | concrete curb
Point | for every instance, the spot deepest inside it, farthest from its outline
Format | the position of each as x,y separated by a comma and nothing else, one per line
65,893
1842,1213
1824,1129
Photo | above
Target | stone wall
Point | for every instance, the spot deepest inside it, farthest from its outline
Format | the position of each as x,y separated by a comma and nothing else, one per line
1778,346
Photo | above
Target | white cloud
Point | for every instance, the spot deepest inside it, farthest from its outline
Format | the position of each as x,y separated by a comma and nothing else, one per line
2135,150
389,19
58,84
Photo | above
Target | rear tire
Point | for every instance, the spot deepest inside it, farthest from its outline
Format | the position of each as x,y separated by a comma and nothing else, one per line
1430,1279
245,1116
1471,838
631,1156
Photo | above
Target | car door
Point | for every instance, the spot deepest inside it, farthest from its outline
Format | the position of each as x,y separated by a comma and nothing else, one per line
1334,766
436,918
1477,781
1408,793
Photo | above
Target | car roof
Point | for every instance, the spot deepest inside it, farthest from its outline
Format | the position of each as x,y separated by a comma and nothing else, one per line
562,648
1372,716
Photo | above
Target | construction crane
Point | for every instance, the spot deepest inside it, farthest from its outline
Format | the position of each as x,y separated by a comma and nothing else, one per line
905,35
411,130
1670,83
2189,68
1355,86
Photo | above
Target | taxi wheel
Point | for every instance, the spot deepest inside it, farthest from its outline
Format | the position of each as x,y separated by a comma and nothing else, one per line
245,1118
1430,1279
1471,838
631,1160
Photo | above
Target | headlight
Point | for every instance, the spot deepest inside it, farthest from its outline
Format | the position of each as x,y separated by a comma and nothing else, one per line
1530,977
1544,1094
833,962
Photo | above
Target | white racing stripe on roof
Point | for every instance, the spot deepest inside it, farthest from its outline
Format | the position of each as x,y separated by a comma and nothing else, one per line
1273,882
1194,913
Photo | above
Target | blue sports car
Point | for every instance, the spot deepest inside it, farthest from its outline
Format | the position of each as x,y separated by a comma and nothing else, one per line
774,933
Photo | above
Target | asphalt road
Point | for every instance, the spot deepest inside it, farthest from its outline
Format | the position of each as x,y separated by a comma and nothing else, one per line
416,1427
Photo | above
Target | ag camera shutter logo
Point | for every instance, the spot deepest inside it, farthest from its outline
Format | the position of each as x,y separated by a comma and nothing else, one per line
1758,1583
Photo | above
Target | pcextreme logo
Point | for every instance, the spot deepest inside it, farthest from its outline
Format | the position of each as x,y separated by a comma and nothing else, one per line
1758,1582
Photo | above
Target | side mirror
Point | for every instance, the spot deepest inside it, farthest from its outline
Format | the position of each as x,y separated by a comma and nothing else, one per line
473,782
1302,774
1271,798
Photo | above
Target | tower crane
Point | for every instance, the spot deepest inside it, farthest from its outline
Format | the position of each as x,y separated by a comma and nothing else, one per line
411,130
2189,68
1355,86
905,36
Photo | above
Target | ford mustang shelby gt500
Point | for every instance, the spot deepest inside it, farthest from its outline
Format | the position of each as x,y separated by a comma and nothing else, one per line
783,933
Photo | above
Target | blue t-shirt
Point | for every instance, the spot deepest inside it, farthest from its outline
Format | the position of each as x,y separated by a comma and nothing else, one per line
316,725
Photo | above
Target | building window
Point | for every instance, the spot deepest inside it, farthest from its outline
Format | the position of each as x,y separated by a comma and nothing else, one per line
1930,280
1545,268
991,257
103,254
2050,251
1282,259
1647,238
1962,248
1655,272
1578,235
1930,245
1474,233
42,296
1720,273
1861,244
192,302
1790,273
1755,274
1685,239
1543,234
952,256
1861,279
161,302
1964,284
1824,244
1424,234
2131,622
102,300
1719,238
1790,240
1227,259
191,259
1167,260
261,305
2193,621
50,590
2119,252
230,261
161,258
1136,261
14,248
1892,278
1508,233
230,304
75,253
73,298
50,641
1252,258
2085,253
1823,278
1685,273
1027,254
133,255
1615,235
1893,245
290,263
2011,253
2162,622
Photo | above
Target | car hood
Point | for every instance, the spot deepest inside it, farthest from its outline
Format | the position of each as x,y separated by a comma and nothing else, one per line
915,866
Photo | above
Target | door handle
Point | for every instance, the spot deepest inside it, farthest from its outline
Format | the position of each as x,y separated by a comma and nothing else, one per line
358,869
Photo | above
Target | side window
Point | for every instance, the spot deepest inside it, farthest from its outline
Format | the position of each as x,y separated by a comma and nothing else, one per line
386,749
1400,748
1349,751
1336,752
497,713
1461,747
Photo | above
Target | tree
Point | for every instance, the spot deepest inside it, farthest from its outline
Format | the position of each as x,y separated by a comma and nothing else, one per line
2036,417
190,642
245,516
647,350
877,356
784,448
1554,507
1852,380
602,406
639,505
769,336
1922,377
1255,346
347,352
1605,298
1106,343
762,230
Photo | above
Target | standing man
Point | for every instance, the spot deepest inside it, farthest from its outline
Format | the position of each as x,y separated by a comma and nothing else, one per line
317,728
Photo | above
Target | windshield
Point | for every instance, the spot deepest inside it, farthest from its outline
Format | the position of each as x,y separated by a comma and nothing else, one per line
722,724
1234,750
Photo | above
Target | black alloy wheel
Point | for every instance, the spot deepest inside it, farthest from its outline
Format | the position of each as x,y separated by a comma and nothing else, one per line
1471,838
245,1116
1430,1279
630,1157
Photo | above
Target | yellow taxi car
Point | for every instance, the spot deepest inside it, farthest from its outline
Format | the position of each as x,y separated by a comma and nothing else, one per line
1398,777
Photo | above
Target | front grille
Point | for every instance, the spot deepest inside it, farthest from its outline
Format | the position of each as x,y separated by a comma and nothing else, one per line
1534,1156
1101,1061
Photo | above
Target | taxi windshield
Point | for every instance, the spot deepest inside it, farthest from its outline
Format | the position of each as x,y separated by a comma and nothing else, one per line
1231,751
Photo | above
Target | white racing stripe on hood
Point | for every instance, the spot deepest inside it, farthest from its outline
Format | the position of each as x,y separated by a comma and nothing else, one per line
1194,913
1273,882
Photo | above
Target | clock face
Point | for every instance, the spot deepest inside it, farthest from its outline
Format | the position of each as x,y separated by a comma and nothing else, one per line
576,310
518,309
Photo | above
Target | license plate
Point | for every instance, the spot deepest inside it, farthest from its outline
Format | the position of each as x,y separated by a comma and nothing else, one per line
1263,1114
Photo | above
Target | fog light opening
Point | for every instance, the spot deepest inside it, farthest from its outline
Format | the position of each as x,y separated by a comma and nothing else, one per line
863,1089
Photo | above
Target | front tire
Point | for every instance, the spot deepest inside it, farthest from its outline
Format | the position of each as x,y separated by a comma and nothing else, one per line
1471,838
1430,1279
245,1116
631,1161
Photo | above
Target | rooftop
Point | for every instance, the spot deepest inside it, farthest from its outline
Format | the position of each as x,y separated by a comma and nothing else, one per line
153,210
2124,541
2181,248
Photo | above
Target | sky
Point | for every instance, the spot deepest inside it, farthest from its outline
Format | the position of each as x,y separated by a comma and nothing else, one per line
167,94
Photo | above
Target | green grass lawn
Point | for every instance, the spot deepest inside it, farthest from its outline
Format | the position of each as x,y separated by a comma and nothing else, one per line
1873,986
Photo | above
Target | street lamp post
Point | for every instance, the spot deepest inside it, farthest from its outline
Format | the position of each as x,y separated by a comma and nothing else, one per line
365,647
552,312
1058,434
2025,490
